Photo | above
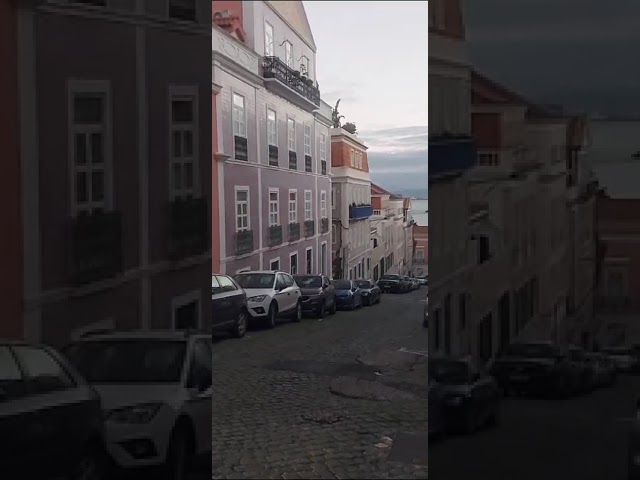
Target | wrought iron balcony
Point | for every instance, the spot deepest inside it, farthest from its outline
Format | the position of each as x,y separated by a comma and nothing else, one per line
309,228
244,242
324,225
359,212
303,89
293,160
273,155
308,164
241,151
95,247
294,232
189,228
275,235
323,167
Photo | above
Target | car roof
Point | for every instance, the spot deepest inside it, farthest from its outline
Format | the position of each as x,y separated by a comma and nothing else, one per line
262,271
152,335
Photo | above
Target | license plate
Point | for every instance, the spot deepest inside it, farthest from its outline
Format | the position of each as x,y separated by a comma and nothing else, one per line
519,378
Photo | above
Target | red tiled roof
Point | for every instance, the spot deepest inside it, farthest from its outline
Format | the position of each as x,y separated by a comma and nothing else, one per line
231,24
378,190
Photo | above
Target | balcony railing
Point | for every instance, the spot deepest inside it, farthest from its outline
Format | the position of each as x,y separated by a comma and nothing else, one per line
450,155
275,235
308,164
309,228
241,151
189,232
324,224
294,232
358,212
244,242
95,247
273,155
273,67
323,167
293,160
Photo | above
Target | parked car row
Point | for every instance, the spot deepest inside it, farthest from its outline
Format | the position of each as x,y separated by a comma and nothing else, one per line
394,283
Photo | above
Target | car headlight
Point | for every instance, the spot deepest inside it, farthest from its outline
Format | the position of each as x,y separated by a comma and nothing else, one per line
257,298
141,413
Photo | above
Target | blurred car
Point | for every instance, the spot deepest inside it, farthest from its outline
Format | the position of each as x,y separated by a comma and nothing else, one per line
371,293
50,418
392,283
412,284
535,367
471,400
584,370
318,294
229,309
624,358
604,369
348,294
437,426
156,391
271,295
422,279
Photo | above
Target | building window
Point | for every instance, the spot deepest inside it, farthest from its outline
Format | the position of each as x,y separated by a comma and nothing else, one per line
273,208
239,116
242,209
323,153
183,131
272,130
352,157
186,310
182,10
274,264
488,159
88,129
323,204
269,50
307,140
288,54
333,234
291,123
293,206
293,261
308,215
309,258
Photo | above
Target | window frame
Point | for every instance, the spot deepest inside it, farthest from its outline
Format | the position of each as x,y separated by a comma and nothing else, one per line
272,261
307,139
234,114
308,261
184,93
238,189
291,256
291,134
183,300
269,49
277,205
288,54
323,204
272,132
293,202
308,200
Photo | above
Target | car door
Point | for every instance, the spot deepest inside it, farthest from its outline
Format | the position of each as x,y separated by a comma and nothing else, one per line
234,297
293,291
329,291
282,295
198,405
219,304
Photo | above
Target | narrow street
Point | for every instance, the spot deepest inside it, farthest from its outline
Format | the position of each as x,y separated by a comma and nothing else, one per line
583,437
275,416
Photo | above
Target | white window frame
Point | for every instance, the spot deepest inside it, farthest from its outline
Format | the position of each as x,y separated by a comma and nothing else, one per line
306,252
295,206
269,48
272,128
98,88
277,205
291,134
277,259
236,203
323,147
307,139
182,300
183,93
291,255
308,200
352,154
323,204
288,54
241,122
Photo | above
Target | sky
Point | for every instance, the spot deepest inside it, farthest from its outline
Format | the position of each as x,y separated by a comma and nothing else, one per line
577,53
374,57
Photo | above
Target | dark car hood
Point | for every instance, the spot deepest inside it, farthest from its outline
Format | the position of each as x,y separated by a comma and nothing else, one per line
342,293
311,291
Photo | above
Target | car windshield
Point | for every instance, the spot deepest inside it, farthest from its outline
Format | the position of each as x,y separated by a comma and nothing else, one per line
129,361
342,284
255,280
449,371
308,281
363,283
391,277
531,350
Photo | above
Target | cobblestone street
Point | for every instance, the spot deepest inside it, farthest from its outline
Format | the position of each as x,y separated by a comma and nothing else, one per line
275,416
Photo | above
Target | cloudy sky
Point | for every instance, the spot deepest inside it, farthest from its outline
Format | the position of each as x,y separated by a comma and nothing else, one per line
373,55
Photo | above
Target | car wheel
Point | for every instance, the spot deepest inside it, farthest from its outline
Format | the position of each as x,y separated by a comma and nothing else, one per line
92,465
271,316
178,454
241,324
379,298
334,307
297,316
321,309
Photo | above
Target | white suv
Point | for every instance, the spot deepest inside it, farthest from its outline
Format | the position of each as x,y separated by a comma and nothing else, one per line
156,390
271,294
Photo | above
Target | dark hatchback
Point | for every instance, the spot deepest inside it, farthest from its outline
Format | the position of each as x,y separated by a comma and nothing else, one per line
228,306
371,293
51,421
348,295
392,283
318,294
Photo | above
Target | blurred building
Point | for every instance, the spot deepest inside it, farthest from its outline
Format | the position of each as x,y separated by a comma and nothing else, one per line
421,257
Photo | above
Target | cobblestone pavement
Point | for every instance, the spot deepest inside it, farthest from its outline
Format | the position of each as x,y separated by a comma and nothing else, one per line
275,417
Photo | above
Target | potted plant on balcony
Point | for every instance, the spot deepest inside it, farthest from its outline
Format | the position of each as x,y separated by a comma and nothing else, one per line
296,73
309,82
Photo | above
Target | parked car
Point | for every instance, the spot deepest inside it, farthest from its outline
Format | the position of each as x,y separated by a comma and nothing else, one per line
318,294
348,294
50,417
371,293
392,283
422,279
156,395
229,309
412,284
471,399
624,358
604,369
584,369
536,367
271,295
633,448
437,426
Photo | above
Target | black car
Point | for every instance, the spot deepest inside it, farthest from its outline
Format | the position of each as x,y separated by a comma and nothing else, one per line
392,283
318,294
536,367
348,295
51,420
371,293
470,399
228,306
585,370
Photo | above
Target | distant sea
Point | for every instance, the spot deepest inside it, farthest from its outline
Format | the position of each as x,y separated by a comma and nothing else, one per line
419,212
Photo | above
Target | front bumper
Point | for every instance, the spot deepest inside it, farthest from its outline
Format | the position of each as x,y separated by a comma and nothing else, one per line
394,287
311,303
344,301
259,309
